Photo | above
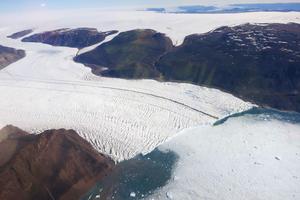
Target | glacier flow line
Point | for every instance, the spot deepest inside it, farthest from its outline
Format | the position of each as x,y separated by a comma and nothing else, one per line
72,83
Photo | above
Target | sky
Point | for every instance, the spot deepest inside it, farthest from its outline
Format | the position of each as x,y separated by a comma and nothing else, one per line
27,5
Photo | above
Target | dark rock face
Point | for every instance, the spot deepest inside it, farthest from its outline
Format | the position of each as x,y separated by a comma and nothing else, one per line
131,54
260,63
56,164
8,142
77,38
9,55
20,34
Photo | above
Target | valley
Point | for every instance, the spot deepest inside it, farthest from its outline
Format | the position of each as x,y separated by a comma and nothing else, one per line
149,105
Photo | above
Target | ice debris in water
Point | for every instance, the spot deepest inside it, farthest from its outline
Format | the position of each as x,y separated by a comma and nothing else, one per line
132,194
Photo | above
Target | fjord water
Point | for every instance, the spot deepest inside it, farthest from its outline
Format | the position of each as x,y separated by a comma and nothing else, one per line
265,114
251,154
136,178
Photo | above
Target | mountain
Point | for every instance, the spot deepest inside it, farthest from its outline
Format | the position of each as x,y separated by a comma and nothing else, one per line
259,63
9,55
231,8
77,38
20,34
256,62
56,164
131,54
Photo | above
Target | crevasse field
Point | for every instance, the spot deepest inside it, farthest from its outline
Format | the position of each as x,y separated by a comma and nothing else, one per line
123,118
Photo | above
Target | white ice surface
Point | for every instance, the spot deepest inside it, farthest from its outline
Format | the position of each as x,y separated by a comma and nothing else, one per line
119,117
87,49
245,158
176,26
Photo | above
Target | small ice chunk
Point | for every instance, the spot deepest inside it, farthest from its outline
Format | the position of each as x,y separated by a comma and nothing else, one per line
176,178
169,195
132,194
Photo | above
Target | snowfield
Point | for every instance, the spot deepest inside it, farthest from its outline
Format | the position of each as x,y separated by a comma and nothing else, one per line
176,26
121,118
249,157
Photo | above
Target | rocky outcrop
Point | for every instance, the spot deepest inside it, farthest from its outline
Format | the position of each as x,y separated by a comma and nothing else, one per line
77,38
259,63
20,34
56,164
131,54
9,55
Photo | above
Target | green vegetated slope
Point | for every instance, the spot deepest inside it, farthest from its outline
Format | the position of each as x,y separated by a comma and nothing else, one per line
131,54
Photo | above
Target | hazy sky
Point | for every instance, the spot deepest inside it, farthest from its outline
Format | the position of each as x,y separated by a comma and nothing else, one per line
21,5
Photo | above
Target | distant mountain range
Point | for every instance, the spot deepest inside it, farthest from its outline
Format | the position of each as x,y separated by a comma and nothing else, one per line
233,8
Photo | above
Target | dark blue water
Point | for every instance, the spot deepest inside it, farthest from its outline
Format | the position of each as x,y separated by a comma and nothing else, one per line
265,114
234,8
136,178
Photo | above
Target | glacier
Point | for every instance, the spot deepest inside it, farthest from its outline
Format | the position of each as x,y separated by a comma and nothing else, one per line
121,118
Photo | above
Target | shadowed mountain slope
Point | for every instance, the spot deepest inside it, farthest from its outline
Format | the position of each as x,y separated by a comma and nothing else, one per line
260,63
9,55
20,34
